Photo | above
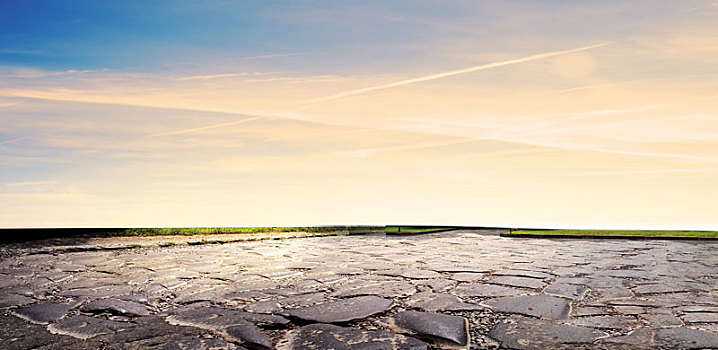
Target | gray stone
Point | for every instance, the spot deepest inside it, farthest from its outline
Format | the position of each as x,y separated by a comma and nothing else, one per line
589,311
700,317
436,284
542,306
277,305
43,313
662,320
384,289
636,302
641,338
454,329
686,338
523,273
609,293
215,318
648,289
629,310
466,276
411,273
428,301
526,334
84,327
639,274
17,334
342,310
325,336
566,290
486,290
699,308
148,331
195,343
249,335
99,292
607,322
456,268
115,306
523,282
11,300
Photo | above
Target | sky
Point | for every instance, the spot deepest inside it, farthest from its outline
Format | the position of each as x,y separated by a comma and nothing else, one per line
545,114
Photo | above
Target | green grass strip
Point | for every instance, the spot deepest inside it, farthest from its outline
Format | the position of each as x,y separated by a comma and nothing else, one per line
413,229
188,231
707,234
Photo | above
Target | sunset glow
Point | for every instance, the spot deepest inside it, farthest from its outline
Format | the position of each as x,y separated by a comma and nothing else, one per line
591,114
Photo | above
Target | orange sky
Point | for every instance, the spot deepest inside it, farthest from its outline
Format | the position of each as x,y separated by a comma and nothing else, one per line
613,126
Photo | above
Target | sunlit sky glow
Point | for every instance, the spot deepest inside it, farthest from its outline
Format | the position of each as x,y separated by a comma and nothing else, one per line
595,114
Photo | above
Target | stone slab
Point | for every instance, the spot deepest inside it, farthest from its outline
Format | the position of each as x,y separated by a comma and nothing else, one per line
486,290
344,310
529,334
116,306
522,282
45,312
428,301
454,329
325,336
542,306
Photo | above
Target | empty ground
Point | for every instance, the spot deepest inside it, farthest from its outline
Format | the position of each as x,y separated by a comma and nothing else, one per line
458,289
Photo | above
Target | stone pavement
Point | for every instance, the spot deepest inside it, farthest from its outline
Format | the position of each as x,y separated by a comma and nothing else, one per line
449,290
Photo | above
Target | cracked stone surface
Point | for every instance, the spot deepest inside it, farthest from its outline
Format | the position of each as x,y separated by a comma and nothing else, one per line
453,329
325,336
343,310
429,301
514,293
523,282
536,334
115,306
43,313
248,334
541,306
83,327
686,338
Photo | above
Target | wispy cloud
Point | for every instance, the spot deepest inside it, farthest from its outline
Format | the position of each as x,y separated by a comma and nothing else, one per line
656,171
7,142
452,73
35,73
214,126
273,55
224,75
361,153
697,8
30,183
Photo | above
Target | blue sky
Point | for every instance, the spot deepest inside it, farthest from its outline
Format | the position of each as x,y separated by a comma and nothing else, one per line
505,113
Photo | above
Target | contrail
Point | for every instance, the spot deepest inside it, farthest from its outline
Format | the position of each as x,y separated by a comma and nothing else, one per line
7,142
452,73
187,131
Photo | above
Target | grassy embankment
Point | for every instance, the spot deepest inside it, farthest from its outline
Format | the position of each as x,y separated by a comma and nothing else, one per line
188,231
413,229
618,233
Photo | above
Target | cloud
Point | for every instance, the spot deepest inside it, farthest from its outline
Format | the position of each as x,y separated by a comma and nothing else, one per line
214,76
26,73
13,140
214,126
692,9
224,75
658,171
365,152
452,73
30,183
286,54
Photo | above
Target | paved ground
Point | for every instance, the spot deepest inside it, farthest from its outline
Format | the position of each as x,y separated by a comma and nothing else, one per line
461,289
